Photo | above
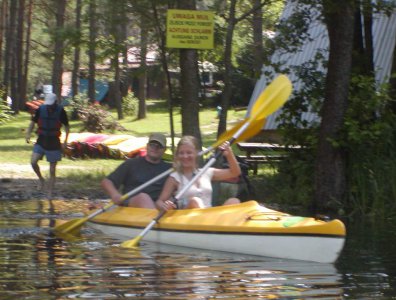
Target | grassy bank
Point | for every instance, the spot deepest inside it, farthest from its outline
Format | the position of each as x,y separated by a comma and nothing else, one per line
82,173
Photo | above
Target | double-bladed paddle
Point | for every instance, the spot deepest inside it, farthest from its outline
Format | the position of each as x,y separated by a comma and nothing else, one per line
73,227
272,98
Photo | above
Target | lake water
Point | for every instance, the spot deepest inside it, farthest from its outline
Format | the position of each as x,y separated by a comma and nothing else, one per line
35,264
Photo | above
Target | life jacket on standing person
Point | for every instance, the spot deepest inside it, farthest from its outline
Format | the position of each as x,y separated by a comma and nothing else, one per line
49,123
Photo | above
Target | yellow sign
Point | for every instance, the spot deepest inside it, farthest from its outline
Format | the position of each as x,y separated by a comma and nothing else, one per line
189,29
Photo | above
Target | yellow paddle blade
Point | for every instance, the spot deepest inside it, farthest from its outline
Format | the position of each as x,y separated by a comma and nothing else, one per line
70,227
254,127
272,97
131,243
270,100
74,226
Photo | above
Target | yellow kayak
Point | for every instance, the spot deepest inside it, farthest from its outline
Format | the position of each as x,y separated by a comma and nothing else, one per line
246,228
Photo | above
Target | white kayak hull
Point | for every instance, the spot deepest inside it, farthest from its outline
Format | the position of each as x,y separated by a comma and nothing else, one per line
309,248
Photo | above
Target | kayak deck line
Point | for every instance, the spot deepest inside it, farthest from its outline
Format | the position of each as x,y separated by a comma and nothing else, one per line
228,232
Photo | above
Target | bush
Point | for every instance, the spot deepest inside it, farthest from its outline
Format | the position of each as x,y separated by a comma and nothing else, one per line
94,118
5,110
130,104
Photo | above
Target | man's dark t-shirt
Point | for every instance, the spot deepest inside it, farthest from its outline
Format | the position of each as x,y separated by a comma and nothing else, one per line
137,171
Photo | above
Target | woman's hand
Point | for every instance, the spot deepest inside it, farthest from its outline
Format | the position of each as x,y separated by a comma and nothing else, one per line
225,147
166,205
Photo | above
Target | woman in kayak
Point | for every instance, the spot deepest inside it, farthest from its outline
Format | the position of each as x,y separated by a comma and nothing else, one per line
199,195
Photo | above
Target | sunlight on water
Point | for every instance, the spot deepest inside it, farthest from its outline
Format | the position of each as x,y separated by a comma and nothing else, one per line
35,264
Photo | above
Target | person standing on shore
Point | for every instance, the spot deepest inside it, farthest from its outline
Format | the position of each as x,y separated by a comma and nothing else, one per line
49,118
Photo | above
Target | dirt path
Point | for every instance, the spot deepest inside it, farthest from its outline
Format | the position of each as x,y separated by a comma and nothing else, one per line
20,182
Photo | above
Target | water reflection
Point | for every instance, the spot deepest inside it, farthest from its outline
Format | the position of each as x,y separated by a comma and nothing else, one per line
35,264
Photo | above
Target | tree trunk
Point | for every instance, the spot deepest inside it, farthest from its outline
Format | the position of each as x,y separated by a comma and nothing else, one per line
392,82
3,16
123,31
141,95
117,91
27,47
189,82
116,27
226,95
363,51
92,51
189,92
76,62
9,47
57,67
164,62
20,96
258,48
330,173
368,36
13,58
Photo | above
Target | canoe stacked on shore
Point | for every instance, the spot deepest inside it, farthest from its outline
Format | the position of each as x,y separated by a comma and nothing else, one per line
32,106
96,145
246,228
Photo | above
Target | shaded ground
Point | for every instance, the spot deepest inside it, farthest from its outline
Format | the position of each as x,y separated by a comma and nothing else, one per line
20,182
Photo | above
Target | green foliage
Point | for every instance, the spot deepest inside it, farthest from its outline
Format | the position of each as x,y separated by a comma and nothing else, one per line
296,129
5,110
293,31
243,86
295,177
75,104
367,120
293,184
369,136
94,118
130,104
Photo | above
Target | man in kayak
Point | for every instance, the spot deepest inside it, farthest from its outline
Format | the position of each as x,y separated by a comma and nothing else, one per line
134,172
49,118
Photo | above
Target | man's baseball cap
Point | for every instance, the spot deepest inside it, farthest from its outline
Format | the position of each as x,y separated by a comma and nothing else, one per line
159,138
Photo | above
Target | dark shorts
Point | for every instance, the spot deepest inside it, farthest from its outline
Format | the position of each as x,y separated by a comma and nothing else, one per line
51,155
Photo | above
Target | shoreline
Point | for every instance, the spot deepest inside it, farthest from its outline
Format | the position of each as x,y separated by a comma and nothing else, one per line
19,182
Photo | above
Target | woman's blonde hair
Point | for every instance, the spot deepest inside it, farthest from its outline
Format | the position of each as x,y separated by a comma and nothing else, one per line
185,140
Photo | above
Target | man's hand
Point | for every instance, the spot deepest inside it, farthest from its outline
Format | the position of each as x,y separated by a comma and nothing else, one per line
29,132
117,199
